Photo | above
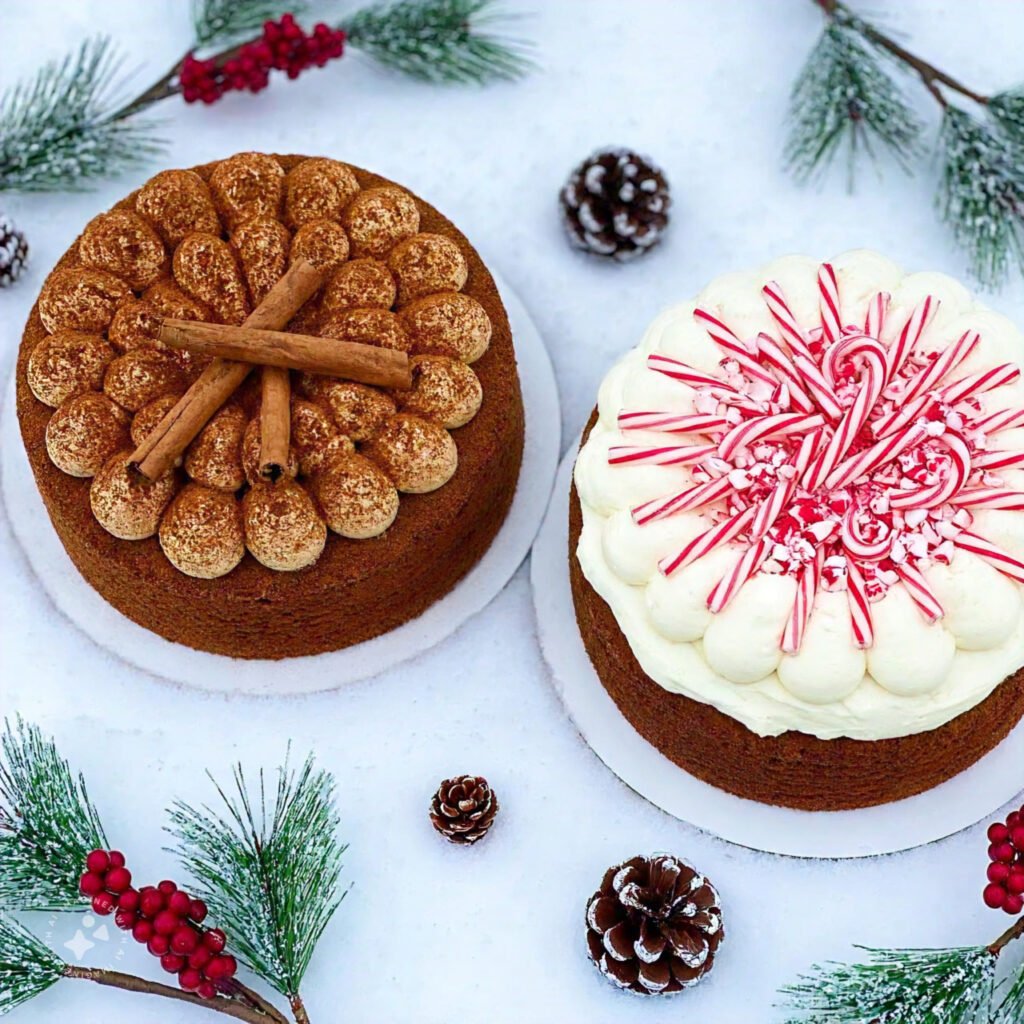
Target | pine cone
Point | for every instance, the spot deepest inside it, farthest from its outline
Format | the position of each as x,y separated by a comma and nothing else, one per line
13,252
654,925
616,204
463,809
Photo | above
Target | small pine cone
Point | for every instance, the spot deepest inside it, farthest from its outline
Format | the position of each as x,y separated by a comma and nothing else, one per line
463,809
13,252
615,204
654,925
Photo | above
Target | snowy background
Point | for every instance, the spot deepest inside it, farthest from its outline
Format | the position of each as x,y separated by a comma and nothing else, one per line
430,933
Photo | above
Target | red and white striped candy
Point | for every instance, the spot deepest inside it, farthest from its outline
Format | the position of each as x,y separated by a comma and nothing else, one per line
671,422
783,316
828,302
806,590
666,455
978,383
909,336
718,535
997,460
878,455
783,367
900,418
1004,419
779,425
990,497
940,492
874,319
860,608
810,445
730,584
687,374
858,546
684,501
771,508
920,593
996,556
736,349
819,388
944,363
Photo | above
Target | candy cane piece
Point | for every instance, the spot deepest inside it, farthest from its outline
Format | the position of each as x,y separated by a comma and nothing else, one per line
856,546
920,593
730,584
909,336
707,541
878,455
860,609
940,492
819,388
874,319
944,363
684,501
1004,419
997,460
728,341
978,383
898,420
687,374
828,302
672,423
783,368
779,425
1004,562
666,455
990,497
806,589
783,316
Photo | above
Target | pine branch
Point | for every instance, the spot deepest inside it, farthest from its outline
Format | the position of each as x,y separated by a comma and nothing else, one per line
440,40
48,825
1008,110
268,873
27,967
981,195
57,129
898,986
217,22
1011,1008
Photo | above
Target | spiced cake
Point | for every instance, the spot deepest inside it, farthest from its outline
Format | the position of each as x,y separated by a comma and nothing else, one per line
380,497
796,532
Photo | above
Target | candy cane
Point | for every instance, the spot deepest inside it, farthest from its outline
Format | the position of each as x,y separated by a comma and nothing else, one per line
856,545
808,449
706,542
998,460
990,497
897,420
672,423
687,374
746,434
909,335
1004,419
978,383
771,508
860,609
666,455
684,501
819,387
996,556
783,316
920,593
728,341
848,347
933,495
783,367
874,319
828,302
878,455
943,364
806,589
730,584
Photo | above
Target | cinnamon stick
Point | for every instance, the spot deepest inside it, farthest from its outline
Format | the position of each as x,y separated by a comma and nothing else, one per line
161,450
275,422
367,364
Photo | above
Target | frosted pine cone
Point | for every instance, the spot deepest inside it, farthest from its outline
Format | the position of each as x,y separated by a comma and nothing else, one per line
13,252
654,925
463,809
615,204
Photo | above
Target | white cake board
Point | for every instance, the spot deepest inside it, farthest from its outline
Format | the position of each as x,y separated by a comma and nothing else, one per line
175,662
937,814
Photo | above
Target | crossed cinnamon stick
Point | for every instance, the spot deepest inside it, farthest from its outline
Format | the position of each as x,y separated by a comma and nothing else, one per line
260,342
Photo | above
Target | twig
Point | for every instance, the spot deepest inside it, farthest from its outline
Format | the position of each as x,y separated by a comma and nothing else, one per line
1014,932
299,1010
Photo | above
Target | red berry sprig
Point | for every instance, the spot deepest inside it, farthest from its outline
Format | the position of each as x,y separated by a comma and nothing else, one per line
284,46
162,917
1005,890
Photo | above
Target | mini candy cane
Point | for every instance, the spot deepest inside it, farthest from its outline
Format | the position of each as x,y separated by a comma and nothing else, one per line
687,374
730,584
920,593
718,535
685,501
860,609
944,363
897,420
783,367
978,383
909,336
767,426
672,423
849,346
856,545
806,590
874,319
783,316
1004,419
990,497
828,302
997,460
666,455
933,495
771,508
1003,561
728,341
878,455
819,388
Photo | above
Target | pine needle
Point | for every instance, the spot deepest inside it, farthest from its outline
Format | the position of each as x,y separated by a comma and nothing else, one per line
440,41
27,967
898,986
1011,1009
219,22
268,874
844,97
1008,110
981,195
57,129
48,825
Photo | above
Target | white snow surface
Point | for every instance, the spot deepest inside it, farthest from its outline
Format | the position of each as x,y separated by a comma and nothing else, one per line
432,933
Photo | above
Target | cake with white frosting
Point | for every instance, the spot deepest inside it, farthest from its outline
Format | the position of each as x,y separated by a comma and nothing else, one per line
798,546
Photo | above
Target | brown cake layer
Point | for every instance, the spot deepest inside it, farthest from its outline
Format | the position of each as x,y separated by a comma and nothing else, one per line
794,769
358,589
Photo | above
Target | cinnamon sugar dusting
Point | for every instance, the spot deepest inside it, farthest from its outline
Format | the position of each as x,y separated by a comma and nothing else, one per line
125,504
318,189
322,242
417,455
262,247
247,185
444,390
206,268
80,299
357,409
124,244
447,324
150,415
177,203
360,284
84,432
251,454
378,219
140,375
425,264
314,436
67,363
378,327
215,457
357,498
201,532
283,529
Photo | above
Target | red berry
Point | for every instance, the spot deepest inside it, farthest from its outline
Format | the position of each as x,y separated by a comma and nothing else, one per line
995,896
190,979
1002,852
172,963
116,859
1017,838
230,965
103,904
125,919
1015,883
167,887
91,884
179,903
200,958
1014,904
185,940
166,923
1017,868
118,880
151,903
143,931
999,872
1013,819
998,833
215,940
158,945
128,900
197,911
98,861
206,990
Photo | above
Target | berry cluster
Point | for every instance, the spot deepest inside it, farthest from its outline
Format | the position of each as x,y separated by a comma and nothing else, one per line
284,46
163,917
1005,890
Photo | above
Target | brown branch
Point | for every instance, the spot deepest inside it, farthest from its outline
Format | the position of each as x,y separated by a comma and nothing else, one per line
250,1007
1014,932
299,1010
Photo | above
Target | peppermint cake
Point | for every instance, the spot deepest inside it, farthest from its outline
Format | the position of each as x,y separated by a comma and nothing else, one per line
796,532
253,510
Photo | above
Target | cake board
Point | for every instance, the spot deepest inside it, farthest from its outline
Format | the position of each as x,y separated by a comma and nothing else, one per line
937,814
174,662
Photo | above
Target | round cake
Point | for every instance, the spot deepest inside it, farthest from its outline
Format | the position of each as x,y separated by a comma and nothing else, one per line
380,497
797,532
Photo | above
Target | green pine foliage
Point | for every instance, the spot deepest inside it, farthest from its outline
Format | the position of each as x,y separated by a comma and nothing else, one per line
219,22
268,870
27,967
48,825
1008,110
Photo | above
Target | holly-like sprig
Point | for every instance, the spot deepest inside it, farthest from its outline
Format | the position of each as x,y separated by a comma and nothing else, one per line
848,98
74,121
268,869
